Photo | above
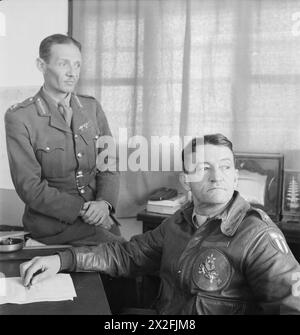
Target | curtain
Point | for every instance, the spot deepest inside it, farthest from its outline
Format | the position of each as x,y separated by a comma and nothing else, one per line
193,67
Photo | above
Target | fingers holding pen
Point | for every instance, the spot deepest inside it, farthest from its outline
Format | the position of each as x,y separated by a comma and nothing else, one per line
23,268
28,269
38,269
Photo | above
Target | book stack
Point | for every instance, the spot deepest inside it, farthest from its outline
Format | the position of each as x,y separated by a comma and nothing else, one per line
169,206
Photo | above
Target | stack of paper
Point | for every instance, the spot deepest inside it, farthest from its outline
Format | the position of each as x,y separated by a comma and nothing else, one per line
167,206
57,288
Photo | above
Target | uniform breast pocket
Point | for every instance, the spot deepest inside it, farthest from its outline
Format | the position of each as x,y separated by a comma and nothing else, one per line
220,306
52,158
90,137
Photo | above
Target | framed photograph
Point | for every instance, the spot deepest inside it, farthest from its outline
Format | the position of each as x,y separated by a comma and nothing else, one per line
261,181
291,196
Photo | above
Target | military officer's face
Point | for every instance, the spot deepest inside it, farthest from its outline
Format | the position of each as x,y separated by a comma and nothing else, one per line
61,72
213,177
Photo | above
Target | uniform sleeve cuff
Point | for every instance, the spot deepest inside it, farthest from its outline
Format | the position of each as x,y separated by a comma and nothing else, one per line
67,260
110,207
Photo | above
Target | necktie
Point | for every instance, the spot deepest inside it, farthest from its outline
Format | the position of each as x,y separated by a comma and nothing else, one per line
66,112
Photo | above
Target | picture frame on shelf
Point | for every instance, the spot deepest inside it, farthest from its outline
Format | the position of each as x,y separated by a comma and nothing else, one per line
291,196
261,181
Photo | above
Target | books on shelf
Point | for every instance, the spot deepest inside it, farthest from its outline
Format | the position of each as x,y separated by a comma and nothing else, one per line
169,206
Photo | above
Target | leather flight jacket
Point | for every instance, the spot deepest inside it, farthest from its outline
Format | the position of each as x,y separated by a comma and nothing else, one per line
235,263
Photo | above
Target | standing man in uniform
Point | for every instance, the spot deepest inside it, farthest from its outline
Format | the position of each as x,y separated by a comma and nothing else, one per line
52,150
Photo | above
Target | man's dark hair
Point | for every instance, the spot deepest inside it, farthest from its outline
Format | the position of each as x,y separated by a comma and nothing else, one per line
46,44
214,139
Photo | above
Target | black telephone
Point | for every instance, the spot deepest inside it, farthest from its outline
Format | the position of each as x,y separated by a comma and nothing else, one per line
163,193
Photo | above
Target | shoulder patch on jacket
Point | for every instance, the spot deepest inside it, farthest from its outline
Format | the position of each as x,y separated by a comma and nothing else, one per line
278,242
22,104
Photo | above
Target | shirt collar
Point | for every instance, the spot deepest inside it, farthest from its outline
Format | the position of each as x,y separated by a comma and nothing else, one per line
66,100
198,219
230,218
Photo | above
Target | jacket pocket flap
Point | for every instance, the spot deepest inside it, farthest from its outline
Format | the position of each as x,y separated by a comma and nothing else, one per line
49,147
89,136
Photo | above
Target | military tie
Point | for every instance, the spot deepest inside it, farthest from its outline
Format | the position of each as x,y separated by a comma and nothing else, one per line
66,112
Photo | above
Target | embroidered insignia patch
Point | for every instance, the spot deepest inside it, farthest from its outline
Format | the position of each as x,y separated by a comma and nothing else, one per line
212,270
84,126
279,243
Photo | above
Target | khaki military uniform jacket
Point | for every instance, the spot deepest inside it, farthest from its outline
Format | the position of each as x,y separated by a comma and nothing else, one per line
53,166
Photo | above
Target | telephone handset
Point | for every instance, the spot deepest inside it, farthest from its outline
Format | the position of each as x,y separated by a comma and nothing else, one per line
163,193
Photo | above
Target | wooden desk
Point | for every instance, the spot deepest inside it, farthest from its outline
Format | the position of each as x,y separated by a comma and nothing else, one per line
150,220
91,297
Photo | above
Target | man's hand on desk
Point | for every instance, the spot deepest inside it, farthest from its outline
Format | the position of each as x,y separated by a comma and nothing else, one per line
39,268
96,213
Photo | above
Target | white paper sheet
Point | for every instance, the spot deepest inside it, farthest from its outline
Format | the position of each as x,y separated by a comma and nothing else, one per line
57,288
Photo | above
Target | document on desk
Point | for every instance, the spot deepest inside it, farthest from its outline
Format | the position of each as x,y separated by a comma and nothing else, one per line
57,288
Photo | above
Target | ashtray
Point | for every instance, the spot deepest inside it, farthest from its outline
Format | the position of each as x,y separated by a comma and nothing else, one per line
11,244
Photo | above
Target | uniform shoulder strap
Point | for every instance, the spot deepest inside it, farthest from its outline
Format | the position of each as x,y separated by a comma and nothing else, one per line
27,102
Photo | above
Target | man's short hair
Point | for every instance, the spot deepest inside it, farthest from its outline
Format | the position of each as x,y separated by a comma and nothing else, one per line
214,139
46,44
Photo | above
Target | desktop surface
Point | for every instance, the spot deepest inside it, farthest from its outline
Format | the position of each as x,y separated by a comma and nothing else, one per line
91,298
